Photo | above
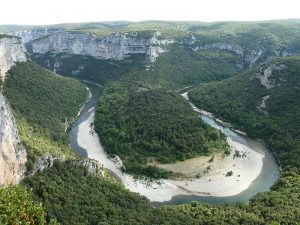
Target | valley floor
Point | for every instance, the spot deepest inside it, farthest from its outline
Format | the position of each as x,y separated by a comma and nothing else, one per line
214,178
223,176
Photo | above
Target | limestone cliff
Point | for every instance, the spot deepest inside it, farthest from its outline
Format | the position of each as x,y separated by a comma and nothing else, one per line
30,35
265,75
11,51
223,46
94,167
249,57
115,46
12,154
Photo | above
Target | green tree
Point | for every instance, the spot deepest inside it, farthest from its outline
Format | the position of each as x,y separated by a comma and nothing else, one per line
17,207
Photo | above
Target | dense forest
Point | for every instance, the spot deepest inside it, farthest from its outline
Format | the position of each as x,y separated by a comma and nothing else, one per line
179,67
90,68
244,44
142,119
239,101
18,207
44,103
142,125
73,196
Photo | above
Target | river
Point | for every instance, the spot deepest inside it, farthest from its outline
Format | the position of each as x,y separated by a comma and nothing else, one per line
254,176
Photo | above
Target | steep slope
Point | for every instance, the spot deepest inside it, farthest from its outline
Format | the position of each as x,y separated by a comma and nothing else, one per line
18,207
44,104
11,51
159,62
89,68
115,46
73,196
180,66
13,156
175,54
264,103
203,52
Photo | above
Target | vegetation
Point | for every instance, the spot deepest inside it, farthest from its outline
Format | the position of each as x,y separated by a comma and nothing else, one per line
90,68
238,100
73,196
44,103
169,29
142,121
17,207
229,173
142,125
181,67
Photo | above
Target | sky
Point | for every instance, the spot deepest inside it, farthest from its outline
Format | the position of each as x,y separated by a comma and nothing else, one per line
41,12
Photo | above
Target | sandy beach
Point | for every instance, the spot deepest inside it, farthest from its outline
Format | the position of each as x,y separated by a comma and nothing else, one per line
212,182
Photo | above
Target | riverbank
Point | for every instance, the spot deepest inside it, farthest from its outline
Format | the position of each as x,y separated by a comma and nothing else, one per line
213,183
220,175
226,175
203,112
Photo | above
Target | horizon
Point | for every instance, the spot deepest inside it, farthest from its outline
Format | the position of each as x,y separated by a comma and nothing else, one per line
33,12
171,21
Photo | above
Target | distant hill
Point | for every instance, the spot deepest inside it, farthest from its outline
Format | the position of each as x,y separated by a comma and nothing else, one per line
178,54
169,56
244,72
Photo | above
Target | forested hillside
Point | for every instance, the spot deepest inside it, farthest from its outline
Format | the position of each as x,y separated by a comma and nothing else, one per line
239,71
181,67
18,207
73,196
263,102
90,68
43,103
197,52
141,125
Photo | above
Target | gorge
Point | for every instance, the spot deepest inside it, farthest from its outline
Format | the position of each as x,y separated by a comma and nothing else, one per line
185,117
252,174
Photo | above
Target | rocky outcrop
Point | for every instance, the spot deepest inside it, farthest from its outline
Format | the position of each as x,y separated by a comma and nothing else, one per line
30,35
249,57
265,74
222,46
253,56
11,51
94,167
115,46
44,162
13,155
262,107
290,51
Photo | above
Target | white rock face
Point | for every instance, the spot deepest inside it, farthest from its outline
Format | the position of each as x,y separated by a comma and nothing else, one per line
265,74
262,107
115,46
249,57
11,51
30,35
222,46
253,56
13,155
